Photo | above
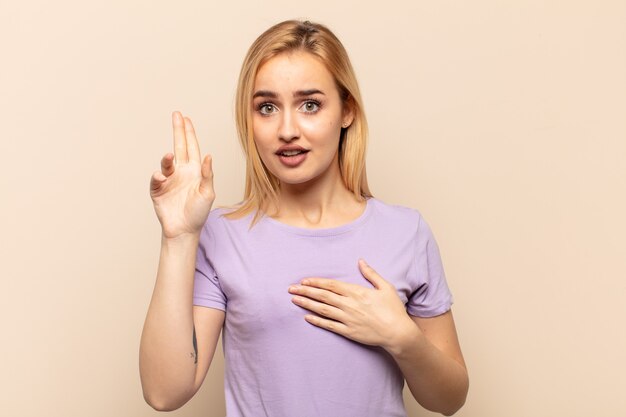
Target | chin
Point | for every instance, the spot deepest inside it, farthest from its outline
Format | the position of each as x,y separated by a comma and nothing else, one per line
294,180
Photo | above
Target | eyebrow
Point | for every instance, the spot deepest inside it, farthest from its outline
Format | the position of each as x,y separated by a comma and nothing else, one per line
299,93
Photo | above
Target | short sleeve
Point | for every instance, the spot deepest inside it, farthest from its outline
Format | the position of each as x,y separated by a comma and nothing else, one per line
432,296
207,291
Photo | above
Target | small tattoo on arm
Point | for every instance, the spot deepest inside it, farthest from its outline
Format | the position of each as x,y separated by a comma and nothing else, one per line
194,354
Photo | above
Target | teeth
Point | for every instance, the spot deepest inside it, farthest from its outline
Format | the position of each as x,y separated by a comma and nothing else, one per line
291,153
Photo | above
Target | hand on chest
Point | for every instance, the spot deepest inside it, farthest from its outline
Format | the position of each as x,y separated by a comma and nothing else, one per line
258,290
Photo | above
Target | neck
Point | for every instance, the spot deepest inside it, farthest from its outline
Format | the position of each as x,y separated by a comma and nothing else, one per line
317,202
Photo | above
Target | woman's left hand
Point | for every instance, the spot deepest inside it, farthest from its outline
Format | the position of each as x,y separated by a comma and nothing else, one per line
372,316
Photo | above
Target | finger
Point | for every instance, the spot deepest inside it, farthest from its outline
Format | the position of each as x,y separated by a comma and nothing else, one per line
167,164
324,296
193,150
331,325
156,180
322,309
180,142
206,183
338,287
371,275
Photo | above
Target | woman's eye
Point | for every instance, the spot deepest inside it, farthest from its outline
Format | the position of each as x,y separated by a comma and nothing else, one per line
266,109
311,107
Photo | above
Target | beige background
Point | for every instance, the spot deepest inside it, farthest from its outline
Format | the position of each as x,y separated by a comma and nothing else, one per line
502,122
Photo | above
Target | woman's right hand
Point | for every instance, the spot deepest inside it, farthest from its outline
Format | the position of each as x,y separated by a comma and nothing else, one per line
182,192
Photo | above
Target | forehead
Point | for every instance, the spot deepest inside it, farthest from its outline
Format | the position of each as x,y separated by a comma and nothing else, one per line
288,72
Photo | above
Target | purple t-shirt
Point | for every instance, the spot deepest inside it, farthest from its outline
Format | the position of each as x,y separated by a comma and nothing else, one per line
276,363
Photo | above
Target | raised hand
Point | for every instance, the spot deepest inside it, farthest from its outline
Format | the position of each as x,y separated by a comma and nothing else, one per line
372,316
182,192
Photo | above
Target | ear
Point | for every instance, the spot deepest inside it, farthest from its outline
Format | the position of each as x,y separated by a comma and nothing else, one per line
348,112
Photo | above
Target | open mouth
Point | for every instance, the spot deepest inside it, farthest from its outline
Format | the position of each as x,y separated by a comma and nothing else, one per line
291,153
292,158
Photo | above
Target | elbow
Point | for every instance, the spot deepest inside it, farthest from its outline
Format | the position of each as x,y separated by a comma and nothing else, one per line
159,404
453,408
162,403
163,394
457,405
452,411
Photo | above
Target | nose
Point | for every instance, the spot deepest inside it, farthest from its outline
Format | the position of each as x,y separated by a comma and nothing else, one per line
288,129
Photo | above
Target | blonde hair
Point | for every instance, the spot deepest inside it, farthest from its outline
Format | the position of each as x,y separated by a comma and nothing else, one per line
289,36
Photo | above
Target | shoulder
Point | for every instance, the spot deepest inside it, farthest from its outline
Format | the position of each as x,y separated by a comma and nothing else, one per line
396,214
402,219
217,214
219,221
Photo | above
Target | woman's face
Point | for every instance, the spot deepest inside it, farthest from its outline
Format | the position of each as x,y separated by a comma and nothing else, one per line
297,118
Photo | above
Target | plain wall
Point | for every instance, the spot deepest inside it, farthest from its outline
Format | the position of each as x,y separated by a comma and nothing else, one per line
503,122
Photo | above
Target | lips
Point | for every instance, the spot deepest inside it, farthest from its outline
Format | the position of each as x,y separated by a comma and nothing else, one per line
290,150
291,155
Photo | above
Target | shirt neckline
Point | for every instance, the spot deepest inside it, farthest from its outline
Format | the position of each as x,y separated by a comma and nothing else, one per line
329,231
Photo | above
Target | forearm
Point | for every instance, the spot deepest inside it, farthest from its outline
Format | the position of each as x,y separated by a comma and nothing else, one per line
167,358
437,381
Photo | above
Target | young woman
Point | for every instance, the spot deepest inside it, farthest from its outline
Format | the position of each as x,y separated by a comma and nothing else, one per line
328,298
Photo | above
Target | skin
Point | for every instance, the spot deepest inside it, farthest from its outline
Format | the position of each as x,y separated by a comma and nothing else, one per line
179,339
426,349
312,195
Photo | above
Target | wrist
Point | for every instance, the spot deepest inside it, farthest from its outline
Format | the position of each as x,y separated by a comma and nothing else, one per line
182,240
408,338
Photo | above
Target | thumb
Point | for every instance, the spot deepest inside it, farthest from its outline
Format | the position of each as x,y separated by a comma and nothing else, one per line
371,275
206,183
156,180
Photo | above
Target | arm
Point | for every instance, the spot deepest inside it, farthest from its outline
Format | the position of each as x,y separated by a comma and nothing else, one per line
426,349
178,340
430,358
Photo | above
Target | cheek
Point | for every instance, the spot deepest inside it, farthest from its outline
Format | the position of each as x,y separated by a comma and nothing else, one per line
321,131
262,134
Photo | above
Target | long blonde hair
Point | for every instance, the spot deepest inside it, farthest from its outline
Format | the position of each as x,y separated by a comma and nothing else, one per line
292,35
